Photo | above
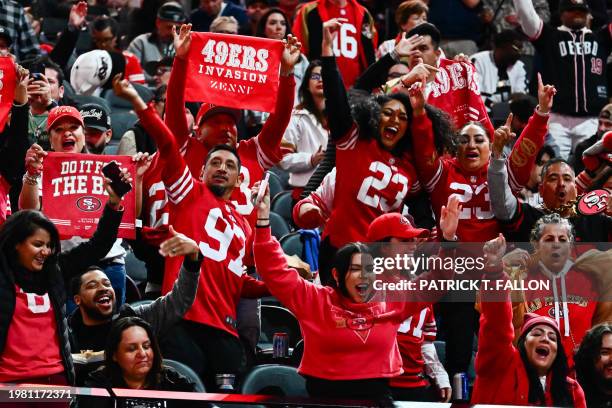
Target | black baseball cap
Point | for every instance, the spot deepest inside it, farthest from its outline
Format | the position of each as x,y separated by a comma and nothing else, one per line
95,116
568,5
151,66
172,11
4,33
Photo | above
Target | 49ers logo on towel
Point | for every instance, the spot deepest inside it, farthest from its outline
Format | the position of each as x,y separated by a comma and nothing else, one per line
234,71
74,194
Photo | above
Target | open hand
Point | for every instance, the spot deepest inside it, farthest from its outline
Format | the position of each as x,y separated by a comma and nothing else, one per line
182,40
179,245
291,53
449,217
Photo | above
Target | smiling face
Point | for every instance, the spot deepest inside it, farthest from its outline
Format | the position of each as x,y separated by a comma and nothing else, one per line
359,278
134,353
67,136
558,186
603,362
222,173
541,348
554,246
473,148
393,123
276,27
96,297
34,250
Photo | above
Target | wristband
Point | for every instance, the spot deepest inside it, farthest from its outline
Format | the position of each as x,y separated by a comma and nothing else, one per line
31,179
262,226
539,112
263,219
394,55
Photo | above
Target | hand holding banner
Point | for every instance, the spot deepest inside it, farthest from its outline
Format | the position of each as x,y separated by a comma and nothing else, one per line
74,196
233,71
7,88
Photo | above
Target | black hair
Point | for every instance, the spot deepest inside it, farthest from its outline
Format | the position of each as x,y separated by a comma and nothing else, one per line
366,112
546,149
77,281
522,106
559,389
506,37
225,147
21,225
342,262
101,23
585,359
306,100
552,161
260,30
159,94
112,369
427,29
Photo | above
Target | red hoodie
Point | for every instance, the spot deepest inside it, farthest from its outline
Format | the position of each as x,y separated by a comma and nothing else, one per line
501,377
342,340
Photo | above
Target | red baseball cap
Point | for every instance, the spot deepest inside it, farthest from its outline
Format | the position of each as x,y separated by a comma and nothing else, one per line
394,225
208,109
60,112
533,319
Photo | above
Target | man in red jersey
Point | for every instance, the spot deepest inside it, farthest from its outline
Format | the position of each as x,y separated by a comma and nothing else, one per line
201,210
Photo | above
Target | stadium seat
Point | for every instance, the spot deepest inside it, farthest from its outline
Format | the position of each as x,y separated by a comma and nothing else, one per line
275,185
135,268
283,176
272,379
145,93
298,352
278,225
292,244
282,204
132,293
121,122
440,350
277,319
186,372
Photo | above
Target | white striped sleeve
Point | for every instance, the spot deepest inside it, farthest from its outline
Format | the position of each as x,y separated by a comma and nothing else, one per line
178,190
349,142
429,186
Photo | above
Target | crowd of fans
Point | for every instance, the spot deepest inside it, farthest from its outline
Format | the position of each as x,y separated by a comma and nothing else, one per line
395,122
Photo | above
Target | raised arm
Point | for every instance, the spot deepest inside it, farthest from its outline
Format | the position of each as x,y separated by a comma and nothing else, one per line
69,37
528,18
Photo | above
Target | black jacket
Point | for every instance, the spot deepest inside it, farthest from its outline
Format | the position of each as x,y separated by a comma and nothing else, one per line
70,264
170,380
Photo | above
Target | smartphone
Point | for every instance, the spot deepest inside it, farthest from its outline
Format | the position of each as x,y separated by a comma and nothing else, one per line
261,193
37,71
111,171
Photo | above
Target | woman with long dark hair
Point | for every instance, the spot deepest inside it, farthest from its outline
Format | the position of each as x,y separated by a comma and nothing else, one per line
34,344
594,365
132,359
535,372
307,130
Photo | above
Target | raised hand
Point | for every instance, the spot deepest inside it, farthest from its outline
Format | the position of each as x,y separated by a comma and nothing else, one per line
419,73
123,89
21,82
406,45
503,135
113,198
416,93
78,14
34,160
546,94
449,217
330,28
143,162
263,208
494,251
182,40
291,54
39,89
179,245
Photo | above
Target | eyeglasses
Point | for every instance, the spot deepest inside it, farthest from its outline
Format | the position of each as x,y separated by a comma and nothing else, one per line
316,77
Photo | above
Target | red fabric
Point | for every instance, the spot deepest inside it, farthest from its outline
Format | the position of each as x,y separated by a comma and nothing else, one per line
442,177
411,335
32,344
5,187
582,302
75,197
133,70
501,377
221,71
370,181
336,347
7,88
348,48
455,91
525,150
220,231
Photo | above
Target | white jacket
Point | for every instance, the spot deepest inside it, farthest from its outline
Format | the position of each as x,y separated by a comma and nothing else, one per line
488,75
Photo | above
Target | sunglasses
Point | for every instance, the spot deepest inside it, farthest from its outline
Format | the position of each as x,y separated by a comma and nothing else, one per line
316,77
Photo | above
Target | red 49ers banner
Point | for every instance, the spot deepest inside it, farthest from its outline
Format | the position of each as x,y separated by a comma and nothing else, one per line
7,88
233,71
74,195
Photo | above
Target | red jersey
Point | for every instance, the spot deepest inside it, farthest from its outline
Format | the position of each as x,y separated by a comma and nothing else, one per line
220,231
411,335
154,211
5,187
348,47
442,177
133,69
33,320
370,181
571,301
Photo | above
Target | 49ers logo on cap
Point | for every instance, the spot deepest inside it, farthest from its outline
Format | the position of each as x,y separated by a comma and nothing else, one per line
404,221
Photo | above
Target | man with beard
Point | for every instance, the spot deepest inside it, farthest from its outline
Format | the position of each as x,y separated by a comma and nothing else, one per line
604,124
97,127
95,297
202,210
594,365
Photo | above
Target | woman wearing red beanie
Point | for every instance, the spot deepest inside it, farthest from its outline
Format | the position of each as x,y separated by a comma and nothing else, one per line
535,372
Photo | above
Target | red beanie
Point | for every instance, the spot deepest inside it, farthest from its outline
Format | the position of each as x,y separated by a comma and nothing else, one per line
532,319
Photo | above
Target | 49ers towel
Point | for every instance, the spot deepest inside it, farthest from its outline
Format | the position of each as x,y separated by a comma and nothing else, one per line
7,88
233,71
74,194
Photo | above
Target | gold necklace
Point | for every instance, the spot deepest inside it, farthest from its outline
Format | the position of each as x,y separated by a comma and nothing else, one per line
571,206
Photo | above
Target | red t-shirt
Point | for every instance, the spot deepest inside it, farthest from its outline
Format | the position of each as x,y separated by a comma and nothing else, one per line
370,181
133,69
32,344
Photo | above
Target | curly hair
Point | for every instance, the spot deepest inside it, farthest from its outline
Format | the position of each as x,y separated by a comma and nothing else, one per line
585,359
554,218
366,111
